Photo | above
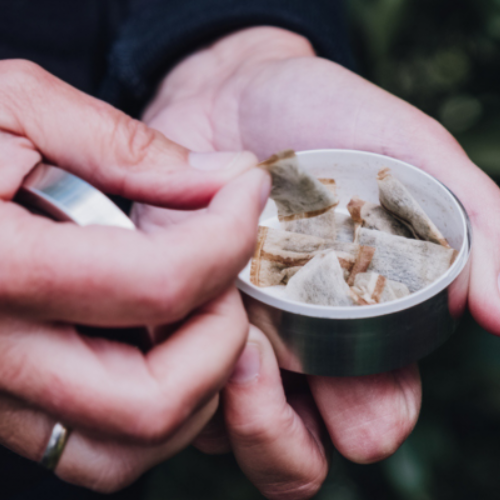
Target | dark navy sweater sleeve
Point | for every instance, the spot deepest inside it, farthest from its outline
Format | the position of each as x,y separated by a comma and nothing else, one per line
158,33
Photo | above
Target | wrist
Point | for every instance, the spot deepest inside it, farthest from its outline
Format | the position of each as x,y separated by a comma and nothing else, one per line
238,54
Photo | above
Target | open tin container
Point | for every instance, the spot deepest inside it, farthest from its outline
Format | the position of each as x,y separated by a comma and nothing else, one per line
310,339
362,340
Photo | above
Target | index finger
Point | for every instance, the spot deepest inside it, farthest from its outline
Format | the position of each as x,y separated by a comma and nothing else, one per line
104,276
103,145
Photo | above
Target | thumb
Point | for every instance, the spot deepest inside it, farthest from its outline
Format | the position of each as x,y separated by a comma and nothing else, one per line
278,439
106,147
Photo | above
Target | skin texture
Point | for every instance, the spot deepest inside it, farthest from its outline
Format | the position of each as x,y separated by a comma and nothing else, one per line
127,410
263,90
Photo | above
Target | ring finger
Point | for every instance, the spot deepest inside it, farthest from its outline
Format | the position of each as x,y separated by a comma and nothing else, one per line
101,464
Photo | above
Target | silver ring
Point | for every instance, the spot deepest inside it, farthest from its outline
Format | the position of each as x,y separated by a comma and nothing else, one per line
55,447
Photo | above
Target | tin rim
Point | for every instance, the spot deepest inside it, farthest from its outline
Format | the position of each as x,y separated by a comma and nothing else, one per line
372,311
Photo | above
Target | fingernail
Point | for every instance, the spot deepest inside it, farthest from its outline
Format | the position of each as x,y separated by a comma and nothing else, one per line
242,160
248,366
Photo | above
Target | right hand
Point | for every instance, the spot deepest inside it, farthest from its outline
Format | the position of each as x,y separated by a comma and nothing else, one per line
128,410
264,89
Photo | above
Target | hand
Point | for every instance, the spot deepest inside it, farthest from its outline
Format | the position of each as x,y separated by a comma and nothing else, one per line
127,410
263,90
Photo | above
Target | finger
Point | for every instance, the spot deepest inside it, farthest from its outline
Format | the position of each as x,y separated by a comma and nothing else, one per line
18,156
484,290
87,457
113,388
113,277
105,146
481,197
100,464
283,454
151,219
369,417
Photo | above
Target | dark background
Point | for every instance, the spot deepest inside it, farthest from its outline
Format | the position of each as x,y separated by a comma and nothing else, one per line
444,57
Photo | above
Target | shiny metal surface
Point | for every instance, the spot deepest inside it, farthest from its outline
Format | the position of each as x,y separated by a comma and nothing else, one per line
352,341
55,447
352,347
65,197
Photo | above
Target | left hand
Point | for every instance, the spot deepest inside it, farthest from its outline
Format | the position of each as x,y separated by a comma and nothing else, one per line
263,90
128,410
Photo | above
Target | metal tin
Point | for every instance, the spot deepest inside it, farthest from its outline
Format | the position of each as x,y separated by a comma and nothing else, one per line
351,341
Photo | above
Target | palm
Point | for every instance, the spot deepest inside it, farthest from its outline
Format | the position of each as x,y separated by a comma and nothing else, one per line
281,110
309,103
275,95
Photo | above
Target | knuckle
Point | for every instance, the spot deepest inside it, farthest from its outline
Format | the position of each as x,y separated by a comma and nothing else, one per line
152,434
162,419
261,430
21,83
19,68
24,76
155,423
133,140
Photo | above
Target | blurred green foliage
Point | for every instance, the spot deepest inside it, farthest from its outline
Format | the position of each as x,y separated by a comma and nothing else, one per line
444,57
